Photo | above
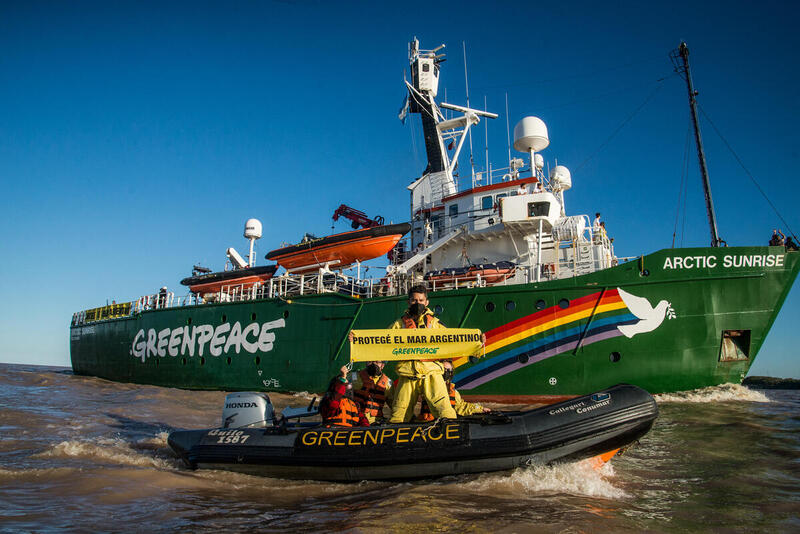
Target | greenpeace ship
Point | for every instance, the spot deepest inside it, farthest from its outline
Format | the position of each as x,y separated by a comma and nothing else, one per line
563,315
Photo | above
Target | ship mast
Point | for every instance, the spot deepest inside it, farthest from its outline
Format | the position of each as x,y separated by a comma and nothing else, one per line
683,53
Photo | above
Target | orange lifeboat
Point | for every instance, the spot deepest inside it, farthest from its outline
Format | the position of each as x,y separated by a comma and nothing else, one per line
340,250
213,282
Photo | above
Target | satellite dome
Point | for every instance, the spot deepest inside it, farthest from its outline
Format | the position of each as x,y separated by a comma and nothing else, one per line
530,134
252,229
538,161
560,178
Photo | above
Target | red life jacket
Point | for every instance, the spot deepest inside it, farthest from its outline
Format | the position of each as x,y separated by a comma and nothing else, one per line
346,416
425,411
372,395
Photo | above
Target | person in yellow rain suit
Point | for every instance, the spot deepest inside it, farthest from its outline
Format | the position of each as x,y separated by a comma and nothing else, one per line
419,377
461,406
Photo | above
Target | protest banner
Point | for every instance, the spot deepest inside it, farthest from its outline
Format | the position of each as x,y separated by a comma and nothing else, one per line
415,344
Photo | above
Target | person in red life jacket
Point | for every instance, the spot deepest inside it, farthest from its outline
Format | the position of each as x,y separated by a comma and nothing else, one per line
337,407
460,406
372,390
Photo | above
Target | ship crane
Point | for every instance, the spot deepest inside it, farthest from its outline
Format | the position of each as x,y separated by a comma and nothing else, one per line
358,217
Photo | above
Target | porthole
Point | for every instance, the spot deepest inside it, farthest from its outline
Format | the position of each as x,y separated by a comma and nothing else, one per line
228,360
253,316
258,360
286,314
614,357
523,358
489,307
540,304
437,310
202,361
183,361
224,318
511,305
563,304
188,320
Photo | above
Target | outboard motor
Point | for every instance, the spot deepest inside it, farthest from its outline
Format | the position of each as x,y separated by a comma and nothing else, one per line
247,409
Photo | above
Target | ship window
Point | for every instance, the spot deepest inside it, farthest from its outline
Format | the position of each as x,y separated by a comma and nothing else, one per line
426,67
183,361
487,203
253,316
735,345
286,314
563,304
157,361
202,361
489,307
538,209
511,305
224,318
258,360
501,195
188,320
540,304
523,358
453,210
614,357
229,360
438,309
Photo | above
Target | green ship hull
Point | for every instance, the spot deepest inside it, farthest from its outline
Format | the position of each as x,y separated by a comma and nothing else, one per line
673,320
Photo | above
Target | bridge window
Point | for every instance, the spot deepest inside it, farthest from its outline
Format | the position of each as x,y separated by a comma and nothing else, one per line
538,209
453,210
487,202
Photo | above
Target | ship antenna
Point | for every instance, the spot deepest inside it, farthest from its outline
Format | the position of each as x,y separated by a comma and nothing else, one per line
466,84
508,132
683,70
487,169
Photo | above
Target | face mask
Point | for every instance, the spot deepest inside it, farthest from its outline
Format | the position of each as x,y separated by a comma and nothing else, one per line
447,375
416,309
374,370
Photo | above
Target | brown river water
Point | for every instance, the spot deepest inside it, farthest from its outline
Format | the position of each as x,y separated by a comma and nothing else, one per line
86,455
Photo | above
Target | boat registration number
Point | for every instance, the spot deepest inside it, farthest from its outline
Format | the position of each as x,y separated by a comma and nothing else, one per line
228,436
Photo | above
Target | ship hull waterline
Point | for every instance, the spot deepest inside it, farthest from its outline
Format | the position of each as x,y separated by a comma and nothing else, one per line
673,320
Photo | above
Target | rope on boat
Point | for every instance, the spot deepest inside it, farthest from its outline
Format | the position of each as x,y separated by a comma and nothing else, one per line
747,172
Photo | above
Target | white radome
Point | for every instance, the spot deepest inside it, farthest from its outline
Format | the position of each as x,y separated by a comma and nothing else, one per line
531,134
560,178
252,229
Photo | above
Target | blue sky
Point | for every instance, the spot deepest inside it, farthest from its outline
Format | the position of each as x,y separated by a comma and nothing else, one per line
137,137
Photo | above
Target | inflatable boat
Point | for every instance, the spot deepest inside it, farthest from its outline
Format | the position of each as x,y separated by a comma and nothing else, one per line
582,427
213,282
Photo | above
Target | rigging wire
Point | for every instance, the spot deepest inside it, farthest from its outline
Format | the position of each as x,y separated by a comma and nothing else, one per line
684,174
624,123
747,172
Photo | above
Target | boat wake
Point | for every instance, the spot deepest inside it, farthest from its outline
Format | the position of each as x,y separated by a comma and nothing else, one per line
575,478
116,451
721,393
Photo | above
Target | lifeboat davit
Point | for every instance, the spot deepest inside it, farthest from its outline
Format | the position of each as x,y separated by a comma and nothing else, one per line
491,273
340,250
213,282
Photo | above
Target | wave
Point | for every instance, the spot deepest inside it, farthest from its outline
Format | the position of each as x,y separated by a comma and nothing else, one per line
721,393
575,478
114,451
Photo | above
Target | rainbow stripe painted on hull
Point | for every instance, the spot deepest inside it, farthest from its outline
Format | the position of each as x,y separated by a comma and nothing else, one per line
543,334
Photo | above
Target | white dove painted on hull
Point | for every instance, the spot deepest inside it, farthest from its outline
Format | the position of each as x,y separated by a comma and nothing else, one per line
650,318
